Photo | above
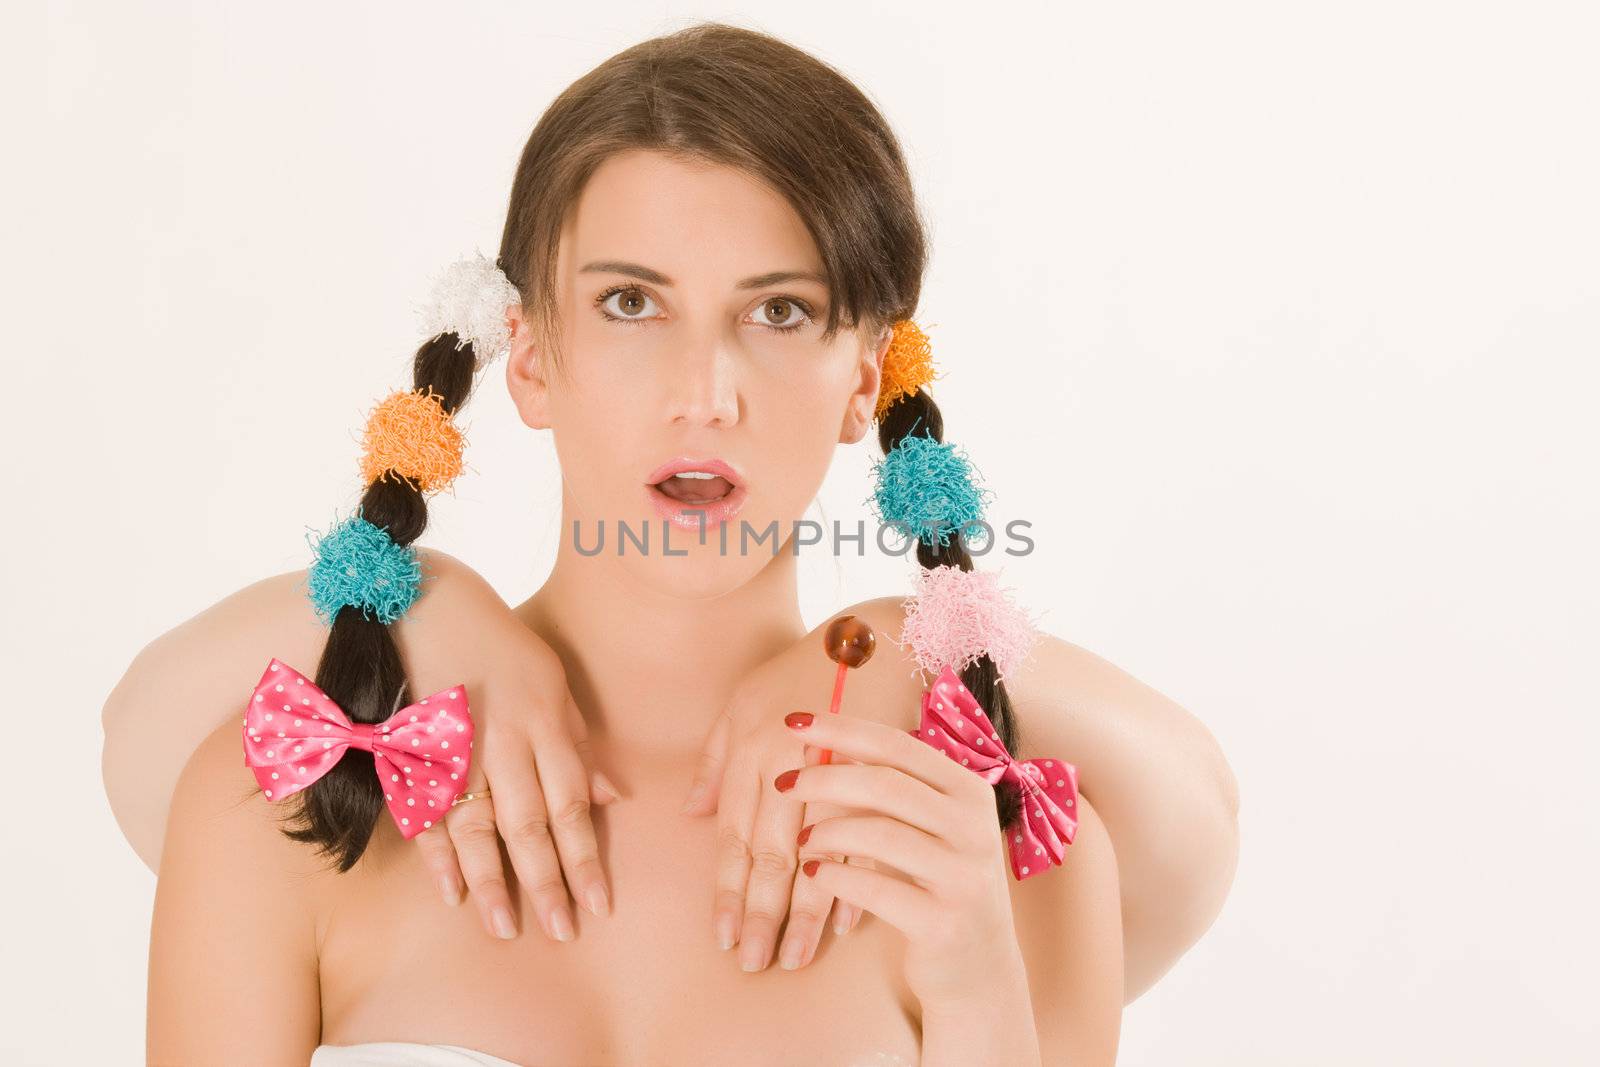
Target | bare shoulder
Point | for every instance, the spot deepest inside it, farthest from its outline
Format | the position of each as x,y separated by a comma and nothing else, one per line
218,806
236,912
887,688
191,677
1053,690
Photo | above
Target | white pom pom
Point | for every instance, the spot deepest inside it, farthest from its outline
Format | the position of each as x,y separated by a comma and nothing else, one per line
470,300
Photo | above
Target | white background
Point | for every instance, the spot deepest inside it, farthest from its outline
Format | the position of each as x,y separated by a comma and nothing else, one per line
1278,321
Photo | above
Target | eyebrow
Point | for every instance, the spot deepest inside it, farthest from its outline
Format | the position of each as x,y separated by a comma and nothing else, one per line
655,277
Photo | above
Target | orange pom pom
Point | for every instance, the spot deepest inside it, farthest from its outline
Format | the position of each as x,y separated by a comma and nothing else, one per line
411,435
907,366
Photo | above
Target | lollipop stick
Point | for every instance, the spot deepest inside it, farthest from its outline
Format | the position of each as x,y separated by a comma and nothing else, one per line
838,695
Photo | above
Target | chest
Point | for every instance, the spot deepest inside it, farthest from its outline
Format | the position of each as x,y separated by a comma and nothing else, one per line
645,985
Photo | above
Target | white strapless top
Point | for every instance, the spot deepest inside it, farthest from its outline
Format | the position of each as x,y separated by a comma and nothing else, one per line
409,1054
403,1054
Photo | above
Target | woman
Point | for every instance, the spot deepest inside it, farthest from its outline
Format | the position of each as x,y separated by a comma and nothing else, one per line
638,343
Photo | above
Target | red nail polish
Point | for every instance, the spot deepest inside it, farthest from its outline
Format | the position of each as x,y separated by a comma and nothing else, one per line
798,720
785,781
810,867
805,834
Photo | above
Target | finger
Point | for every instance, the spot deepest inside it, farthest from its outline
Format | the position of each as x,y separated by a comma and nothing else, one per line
879,743
846,915
736,817
522,821
567,799
809,905
884,790
906,907
703,793
477,845
439,856
773,858
926,859
602,790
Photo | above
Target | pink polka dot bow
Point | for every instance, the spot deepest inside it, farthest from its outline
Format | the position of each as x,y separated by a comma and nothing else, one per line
294,734
955,723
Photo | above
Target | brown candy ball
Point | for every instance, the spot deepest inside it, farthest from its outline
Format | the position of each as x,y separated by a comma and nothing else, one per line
849,641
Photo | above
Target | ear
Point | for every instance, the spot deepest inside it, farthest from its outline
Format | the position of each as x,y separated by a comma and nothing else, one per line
525,372
863,400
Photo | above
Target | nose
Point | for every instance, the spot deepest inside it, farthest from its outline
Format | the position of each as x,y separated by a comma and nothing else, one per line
704,390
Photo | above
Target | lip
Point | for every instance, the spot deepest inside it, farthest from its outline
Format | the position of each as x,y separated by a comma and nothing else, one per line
687,516
689,463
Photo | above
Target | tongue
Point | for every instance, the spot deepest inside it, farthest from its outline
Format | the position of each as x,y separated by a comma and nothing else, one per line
695,490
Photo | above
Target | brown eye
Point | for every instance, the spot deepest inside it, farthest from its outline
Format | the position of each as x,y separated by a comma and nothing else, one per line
625,304
782,314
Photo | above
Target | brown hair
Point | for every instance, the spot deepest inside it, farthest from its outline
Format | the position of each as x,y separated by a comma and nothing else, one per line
714,93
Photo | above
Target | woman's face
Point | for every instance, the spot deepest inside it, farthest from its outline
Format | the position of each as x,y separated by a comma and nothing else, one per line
691,310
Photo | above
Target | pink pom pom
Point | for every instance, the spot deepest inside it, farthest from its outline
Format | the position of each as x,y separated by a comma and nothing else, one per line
956,616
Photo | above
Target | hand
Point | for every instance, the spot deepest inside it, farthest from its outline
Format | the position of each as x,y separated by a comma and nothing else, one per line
531,750
913,808
757,854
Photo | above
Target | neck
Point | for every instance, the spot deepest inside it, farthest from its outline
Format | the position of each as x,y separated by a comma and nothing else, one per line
625,643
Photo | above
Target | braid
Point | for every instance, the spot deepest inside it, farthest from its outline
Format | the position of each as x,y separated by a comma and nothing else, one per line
360,669
916,412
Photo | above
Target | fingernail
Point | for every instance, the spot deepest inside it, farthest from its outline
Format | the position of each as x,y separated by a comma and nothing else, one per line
561,924
792,950
450,888
785,781
805,834
841,921
798,720
504,925
725,932
694,797
755,956
596,901
605,786
810,867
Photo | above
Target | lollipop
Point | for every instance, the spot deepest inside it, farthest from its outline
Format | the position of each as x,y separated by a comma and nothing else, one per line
849,643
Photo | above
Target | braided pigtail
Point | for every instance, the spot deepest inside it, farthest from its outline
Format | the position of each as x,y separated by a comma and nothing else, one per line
366,574
927,489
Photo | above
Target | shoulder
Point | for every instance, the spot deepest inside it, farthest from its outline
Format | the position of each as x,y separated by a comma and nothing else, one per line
884,613
229,877
222,824
1054,670
887,688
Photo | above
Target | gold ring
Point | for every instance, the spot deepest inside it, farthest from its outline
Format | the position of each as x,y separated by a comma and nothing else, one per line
462,798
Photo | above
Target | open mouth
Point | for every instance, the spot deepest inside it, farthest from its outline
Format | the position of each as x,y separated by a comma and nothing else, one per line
695,487
696,492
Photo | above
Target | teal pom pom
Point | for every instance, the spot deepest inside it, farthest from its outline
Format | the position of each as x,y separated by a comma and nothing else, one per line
927,488
359,565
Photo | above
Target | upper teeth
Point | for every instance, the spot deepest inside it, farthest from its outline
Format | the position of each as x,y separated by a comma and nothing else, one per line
693,474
